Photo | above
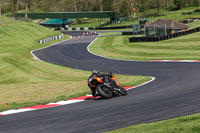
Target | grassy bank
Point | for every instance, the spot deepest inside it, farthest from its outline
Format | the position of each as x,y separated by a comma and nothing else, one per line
25,81
176,15
181,48
186,124
88,22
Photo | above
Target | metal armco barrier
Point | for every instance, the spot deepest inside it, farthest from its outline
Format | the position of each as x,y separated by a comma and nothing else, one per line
49,39
153,39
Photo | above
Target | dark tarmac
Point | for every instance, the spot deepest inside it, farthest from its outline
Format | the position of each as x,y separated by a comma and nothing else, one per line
175,92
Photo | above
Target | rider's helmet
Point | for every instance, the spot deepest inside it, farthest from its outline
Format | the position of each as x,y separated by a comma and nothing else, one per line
110,74
95,71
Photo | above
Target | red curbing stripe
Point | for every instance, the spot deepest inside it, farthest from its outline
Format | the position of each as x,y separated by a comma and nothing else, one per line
41,106
197,60
83,98
175,60
156,60
90,97
128,87
79,98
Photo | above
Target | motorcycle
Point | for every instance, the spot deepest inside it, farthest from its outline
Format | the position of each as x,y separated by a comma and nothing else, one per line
107,85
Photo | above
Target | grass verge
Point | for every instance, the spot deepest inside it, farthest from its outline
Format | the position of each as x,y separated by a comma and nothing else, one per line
186,124
88,22
27,82
182,48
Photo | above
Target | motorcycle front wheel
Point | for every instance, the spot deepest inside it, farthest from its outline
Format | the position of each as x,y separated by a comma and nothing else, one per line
123,91
104,91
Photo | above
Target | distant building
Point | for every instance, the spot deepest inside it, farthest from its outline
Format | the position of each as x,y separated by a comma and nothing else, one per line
57,22
163,27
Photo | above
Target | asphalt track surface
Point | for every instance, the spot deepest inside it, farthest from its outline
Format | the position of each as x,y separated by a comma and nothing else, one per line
174,93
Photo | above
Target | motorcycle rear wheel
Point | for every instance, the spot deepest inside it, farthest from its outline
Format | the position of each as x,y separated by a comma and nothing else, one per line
104,91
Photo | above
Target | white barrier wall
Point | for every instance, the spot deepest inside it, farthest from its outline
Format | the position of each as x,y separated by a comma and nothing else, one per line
49,39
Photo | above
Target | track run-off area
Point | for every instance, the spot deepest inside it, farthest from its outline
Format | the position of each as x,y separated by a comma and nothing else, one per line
175,92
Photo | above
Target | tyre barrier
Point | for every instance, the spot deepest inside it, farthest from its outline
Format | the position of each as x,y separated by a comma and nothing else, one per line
198,29
155,39
49,39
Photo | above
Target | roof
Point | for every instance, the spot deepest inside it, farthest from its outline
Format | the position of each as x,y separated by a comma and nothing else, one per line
168,23
58,21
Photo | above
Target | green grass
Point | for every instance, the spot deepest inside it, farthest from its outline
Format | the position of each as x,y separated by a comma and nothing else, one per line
181,48
5,20
111,33
186,124
176,15
26,82
88,22
194,24
127,22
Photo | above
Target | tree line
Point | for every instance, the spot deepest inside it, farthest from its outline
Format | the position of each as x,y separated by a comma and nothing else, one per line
125,7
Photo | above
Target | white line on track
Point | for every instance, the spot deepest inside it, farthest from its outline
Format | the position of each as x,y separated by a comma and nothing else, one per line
152,79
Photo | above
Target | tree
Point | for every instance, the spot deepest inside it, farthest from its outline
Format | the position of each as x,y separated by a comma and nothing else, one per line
26,9
179,3
120,6
124,10
142,6
158,7
0,7
78,5
107,5
130,7
101,6
15,4
0,10
166,5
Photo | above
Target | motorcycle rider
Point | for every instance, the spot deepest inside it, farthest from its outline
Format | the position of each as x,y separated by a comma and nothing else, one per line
95,73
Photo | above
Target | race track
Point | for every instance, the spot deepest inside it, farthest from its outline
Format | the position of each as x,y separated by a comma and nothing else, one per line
174,93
